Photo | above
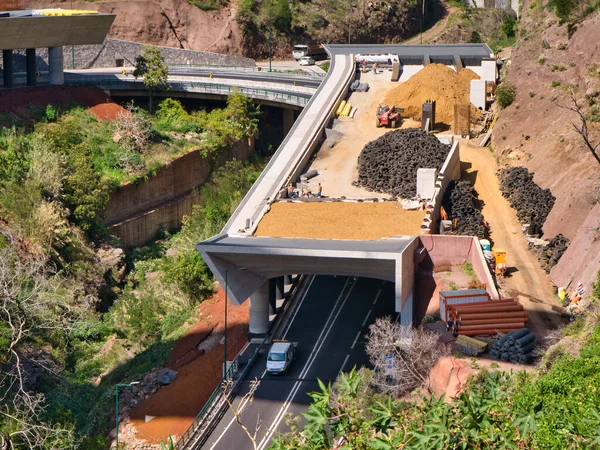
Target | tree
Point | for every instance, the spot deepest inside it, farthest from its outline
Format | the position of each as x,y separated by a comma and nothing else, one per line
402,356
151,65
237,410
582,130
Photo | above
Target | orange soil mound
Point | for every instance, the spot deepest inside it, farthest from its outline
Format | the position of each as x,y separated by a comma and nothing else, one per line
327,220
19,102
434,82
198,372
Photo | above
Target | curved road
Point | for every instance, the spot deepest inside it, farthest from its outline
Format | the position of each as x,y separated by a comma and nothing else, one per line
329,325
263,77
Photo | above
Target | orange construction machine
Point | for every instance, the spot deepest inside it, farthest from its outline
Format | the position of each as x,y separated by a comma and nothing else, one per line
388,116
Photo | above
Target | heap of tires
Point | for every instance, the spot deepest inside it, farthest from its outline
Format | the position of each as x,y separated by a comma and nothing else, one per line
389,164
533,204
551,253
463,206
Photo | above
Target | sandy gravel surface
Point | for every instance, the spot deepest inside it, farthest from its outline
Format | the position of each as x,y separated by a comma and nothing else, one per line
526,282
328,220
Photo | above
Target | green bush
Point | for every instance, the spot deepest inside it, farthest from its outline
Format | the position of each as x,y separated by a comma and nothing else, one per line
475,38
509,25
505,94
562,8
190,273
555,84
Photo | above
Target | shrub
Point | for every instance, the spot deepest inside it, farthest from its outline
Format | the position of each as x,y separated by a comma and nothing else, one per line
190,273
555,84
505,94
562,8
545,44
509,25
475,38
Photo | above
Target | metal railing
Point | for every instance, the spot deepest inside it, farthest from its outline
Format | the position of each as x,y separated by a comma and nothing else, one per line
298,99
256,69
216,406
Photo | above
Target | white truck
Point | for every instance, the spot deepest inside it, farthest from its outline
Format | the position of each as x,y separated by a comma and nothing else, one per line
280,357
315,51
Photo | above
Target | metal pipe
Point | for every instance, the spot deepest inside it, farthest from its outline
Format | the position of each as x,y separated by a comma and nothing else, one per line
511,325
498,309
484,315
485,331
492,321
489,302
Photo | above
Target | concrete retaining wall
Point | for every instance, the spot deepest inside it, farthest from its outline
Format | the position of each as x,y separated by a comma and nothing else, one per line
107,54
458,250
450,171
136,212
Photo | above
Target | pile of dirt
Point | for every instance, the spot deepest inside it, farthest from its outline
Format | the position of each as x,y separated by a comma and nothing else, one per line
337,220
434,82
23,104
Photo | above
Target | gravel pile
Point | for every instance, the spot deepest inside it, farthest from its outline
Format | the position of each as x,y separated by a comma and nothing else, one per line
389,164
533,204
461,202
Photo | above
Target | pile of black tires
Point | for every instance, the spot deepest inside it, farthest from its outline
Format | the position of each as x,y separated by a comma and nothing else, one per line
533,204
389,164
551,253
462,205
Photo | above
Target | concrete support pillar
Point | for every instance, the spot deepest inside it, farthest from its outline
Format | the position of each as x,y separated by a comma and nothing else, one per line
56,63
279,288
8,67
288,120
31,66
403,306
287,279
272,295
259,310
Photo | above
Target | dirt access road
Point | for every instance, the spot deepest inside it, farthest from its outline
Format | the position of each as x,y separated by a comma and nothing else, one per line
527,281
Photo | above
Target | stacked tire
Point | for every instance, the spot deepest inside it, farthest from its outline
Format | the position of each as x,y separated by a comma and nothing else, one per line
461,201
553,251
533,204
389,164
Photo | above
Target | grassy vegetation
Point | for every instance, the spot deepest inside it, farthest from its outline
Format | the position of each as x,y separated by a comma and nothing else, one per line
54,178
555,408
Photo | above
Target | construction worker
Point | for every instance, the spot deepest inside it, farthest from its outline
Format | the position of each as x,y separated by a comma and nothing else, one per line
375,68
210,75
124,72
319,191
443,213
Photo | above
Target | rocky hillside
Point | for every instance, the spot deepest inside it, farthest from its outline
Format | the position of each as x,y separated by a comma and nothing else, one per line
170,23
549,62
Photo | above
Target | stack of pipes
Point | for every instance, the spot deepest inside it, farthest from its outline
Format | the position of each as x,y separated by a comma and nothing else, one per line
485,318
516,346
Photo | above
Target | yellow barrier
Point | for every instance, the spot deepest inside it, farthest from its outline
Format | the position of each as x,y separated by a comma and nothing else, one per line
340,108
346,110
68,12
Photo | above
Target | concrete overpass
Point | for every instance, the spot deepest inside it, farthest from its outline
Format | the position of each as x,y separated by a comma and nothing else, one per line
24,29
264,258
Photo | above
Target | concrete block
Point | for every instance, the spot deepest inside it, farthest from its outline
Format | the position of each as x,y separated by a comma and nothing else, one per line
477,94
426,179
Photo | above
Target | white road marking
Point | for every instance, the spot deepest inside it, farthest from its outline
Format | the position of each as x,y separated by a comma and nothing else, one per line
377,296
263,374
320,341
355,340
344,364
366,318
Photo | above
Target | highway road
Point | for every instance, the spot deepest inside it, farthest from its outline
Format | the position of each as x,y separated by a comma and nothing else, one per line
262,77
329,325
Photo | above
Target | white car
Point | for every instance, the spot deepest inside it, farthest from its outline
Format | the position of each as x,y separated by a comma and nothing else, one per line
307,61
280,356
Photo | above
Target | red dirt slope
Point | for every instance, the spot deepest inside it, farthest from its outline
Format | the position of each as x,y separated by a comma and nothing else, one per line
20,102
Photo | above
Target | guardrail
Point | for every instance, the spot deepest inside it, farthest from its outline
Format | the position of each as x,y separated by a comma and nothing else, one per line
216,406
257,69
193,86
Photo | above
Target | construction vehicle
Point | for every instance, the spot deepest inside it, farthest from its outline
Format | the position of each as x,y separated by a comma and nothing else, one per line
280,357
388,116
315,51
500,258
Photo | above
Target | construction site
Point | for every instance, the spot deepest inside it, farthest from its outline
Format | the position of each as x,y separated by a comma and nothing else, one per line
396,184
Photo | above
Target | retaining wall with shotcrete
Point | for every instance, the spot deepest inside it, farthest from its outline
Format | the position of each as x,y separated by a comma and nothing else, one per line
114,52
137,211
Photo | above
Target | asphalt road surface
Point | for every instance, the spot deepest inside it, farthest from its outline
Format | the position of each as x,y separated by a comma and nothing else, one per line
264,77
329,326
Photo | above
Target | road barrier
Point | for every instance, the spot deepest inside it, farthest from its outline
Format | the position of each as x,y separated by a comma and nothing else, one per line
115,83
216,405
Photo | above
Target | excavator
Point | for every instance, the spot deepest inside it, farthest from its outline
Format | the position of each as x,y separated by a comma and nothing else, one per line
388,116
